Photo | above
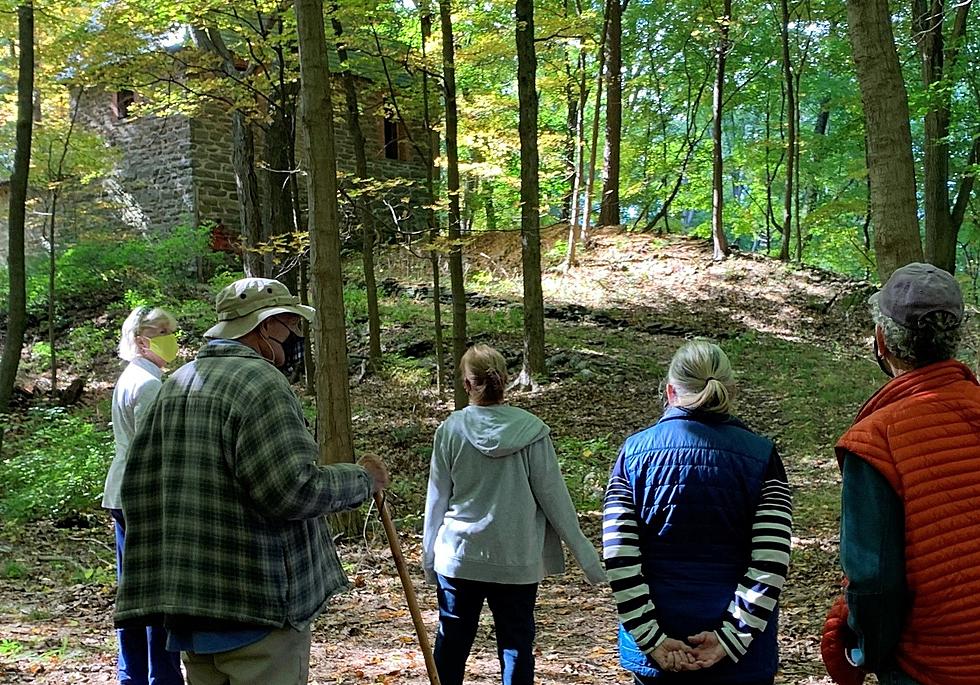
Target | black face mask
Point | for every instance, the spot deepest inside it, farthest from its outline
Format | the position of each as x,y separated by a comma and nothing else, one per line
293,348
881,361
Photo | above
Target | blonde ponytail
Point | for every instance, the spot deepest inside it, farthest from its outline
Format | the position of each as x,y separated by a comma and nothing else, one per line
702,378
486,370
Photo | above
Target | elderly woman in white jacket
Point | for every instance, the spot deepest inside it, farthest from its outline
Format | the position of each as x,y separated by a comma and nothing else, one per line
497,511
148,344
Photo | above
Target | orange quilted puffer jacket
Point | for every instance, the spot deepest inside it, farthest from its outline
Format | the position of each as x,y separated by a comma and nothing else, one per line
921,431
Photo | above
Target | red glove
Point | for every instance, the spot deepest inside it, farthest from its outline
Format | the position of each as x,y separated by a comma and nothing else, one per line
837,639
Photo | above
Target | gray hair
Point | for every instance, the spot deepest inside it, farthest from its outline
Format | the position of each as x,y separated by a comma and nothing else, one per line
702,378
148,321
935,339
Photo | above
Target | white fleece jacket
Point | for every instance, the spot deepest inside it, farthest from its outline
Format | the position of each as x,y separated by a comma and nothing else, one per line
497,508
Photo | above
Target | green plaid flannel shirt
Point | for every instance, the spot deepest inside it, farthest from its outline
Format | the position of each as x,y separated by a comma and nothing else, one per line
224,502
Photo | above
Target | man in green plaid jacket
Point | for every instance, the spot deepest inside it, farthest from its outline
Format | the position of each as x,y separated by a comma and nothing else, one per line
224,502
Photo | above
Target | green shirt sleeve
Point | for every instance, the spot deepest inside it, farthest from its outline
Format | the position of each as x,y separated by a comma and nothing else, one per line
276,462
872,552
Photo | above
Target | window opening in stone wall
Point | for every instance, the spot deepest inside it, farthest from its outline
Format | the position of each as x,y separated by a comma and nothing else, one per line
391,138
122,100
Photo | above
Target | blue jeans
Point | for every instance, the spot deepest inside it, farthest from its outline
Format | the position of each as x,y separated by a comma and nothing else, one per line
143,655
512,606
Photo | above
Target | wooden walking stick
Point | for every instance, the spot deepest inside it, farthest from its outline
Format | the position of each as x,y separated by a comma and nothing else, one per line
413,605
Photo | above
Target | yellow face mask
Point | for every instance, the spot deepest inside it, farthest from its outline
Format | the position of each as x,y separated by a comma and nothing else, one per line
165,346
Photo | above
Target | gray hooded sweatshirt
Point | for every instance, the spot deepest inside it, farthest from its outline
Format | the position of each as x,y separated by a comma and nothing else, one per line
497,508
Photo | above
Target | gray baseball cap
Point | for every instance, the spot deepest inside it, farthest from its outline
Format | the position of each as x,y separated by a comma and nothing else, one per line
247,302
916,290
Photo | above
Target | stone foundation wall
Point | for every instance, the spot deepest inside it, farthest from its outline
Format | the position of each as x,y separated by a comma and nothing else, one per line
152,184
176,170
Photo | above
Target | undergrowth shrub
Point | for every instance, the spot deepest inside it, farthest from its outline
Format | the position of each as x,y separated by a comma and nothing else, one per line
104,267
585,463
53,464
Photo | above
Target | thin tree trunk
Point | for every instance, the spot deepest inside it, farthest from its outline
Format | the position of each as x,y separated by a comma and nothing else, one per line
891,168
534,363
247,184
571,138
573,224
430,212
790,133
59,179
717,183
242,158
364,215
796,167
279,206
928,22
452,189
302,270
316,117
16,268
52,276
609,209
596,118
282,174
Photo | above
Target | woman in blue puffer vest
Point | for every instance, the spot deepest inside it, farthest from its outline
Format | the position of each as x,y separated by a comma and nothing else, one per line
696,536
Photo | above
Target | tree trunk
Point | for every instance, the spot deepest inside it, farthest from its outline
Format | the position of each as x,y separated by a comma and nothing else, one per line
452,190
571,139
16,268
527,94
717,183
247,184
316,117
430,212
597,113
573,224
242,158
278,138
928,22
364,215
609,209
52,277
891,168
790,133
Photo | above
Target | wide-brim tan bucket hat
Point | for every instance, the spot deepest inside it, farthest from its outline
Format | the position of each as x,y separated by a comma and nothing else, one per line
247,302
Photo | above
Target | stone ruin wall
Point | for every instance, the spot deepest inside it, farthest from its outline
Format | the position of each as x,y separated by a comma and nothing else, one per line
151,187
177,170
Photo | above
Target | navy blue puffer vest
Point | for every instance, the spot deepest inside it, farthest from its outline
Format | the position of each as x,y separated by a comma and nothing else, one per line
697,480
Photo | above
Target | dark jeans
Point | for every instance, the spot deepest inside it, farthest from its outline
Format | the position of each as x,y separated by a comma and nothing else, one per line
512,606
895,677
143,655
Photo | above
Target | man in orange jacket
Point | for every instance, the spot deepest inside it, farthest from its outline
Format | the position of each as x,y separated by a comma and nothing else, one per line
910,510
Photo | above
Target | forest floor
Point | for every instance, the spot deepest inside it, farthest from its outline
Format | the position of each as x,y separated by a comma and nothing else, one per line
798,338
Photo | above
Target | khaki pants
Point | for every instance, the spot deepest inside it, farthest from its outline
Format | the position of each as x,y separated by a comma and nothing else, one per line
280,658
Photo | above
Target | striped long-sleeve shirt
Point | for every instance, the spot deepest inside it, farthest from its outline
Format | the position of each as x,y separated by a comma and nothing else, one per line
755,596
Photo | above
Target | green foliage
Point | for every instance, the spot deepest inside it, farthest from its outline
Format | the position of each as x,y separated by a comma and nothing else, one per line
10,648
555,255
585,463
54,464
101,269
103,576
12,571
90,341
408,372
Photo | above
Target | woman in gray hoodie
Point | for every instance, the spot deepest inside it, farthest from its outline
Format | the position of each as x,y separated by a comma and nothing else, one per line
496,513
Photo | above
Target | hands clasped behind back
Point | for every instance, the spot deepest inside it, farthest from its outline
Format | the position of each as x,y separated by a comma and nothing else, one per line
702,650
